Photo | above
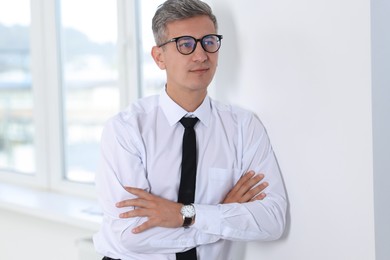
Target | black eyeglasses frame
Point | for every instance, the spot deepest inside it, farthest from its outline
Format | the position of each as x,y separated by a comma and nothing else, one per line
220,37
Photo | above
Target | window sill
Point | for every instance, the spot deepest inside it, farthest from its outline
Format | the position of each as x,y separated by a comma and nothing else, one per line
65,209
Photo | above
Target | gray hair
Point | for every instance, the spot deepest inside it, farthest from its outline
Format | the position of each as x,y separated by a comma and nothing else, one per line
173,10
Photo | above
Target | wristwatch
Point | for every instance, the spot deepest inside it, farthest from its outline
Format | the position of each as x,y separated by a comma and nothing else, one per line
188,212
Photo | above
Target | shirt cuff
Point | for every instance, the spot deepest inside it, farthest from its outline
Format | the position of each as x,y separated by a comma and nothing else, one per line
208,219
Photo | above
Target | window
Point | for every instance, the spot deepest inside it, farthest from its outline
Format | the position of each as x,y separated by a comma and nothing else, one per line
64,70
17,150
90,92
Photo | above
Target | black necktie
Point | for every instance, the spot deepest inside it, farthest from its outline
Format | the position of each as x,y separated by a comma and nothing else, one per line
188,174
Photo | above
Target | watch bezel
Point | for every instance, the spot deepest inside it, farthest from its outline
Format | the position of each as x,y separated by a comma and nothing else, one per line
188,219
188,211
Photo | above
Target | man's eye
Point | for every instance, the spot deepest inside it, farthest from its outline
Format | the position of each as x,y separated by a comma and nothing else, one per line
185,44
209,42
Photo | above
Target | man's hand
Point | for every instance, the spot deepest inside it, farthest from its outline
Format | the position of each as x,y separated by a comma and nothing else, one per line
159,212
245,190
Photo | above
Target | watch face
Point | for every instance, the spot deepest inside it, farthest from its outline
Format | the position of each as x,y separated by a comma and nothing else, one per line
188,211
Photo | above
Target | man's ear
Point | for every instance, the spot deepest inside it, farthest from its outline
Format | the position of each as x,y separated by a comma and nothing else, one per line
158,57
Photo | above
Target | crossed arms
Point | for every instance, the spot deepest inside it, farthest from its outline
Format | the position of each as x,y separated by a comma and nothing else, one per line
161,212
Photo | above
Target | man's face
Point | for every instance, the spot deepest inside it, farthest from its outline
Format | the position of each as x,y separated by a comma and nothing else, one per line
195,71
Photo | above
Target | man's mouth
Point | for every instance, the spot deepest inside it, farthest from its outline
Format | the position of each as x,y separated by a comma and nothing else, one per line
199,70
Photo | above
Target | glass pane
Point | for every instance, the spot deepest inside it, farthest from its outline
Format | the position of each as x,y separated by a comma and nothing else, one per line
17,151
153,79
89,80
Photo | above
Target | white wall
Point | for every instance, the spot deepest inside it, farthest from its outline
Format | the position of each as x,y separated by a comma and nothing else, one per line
304,67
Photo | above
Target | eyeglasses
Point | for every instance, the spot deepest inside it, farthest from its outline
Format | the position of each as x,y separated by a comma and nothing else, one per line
187,44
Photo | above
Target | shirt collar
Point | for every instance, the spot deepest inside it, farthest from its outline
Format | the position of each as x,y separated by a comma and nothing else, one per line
174,112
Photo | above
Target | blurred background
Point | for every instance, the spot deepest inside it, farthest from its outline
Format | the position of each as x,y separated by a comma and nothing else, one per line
88,80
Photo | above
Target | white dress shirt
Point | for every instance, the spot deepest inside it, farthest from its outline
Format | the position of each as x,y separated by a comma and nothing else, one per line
141,147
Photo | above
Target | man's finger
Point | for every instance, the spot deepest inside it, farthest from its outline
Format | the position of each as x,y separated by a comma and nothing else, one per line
261,196
144,226
249,184
242,181
138,192
134,213
137,202
253,192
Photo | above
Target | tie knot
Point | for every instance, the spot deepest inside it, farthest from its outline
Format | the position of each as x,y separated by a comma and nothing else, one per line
189,122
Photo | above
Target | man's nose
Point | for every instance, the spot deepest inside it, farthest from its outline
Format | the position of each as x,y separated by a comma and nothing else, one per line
199,54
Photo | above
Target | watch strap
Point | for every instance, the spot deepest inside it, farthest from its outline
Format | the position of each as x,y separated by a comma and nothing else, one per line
187,221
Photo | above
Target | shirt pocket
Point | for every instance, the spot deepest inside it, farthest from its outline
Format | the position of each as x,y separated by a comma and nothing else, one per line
220,182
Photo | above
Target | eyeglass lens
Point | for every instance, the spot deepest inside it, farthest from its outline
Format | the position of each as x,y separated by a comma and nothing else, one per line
187,44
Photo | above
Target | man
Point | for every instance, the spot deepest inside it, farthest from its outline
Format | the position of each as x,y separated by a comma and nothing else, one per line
140,178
